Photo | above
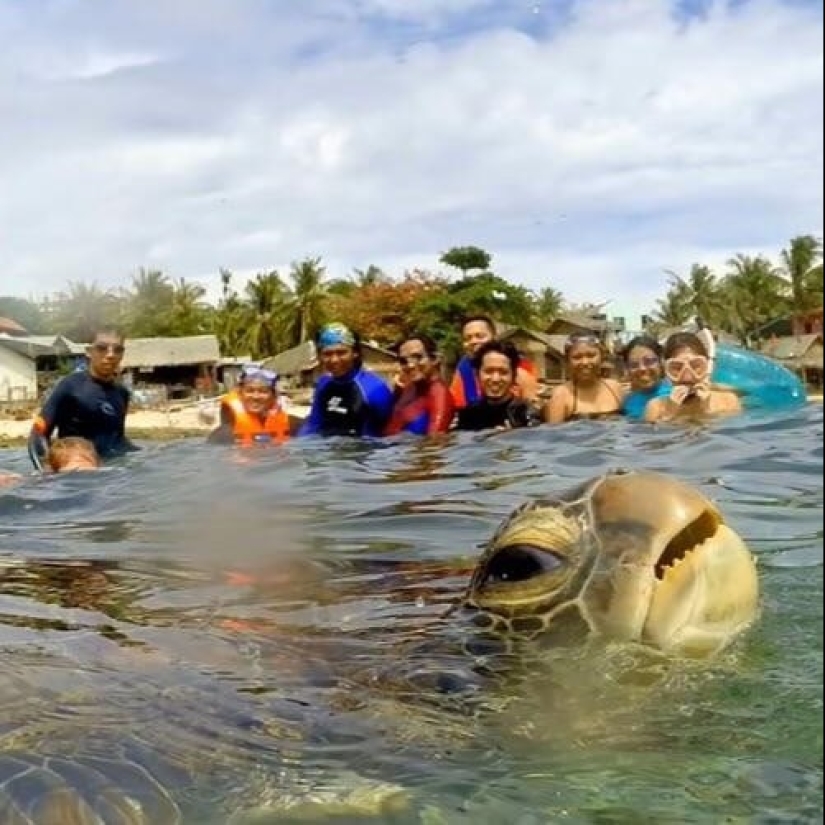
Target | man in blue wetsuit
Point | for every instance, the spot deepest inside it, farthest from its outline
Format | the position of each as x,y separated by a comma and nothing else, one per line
90,404
349,400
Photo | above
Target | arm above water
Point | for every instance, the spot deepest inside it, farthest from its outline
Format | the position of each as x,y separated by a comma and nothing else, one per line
314,421
378,399
47,420
127,444
555,411
441,409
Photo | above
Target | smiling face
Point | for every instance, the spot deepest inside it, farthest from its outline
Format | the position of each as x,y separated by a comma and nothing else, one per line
632,557
105,355
257,397
474,334
338,360
415,362
687,367
496,376
644,368
584,361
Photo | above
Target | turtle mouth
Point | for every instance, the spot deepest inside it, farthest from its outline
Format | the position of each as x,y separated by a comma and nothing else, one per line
688,540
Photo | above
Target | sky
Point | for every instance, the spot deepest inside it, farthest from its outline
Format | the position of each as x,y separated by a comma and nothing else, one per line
588,145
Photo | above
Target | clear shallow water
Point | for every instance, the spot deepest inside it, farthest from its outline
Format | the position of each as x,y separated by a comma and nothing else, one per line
252,630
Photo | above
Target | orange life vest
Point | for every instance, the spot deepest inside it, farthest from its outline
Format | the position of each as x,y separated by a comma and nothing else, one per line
249,428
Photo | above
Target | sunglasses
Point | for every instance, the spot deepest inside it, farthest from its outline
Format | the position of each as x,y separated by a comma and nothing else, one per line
259,374
646,362
117,349
696,365
412,360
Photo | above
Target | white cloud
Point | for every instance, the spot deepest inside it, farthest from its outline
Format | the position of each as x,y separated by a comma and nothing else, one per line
588,145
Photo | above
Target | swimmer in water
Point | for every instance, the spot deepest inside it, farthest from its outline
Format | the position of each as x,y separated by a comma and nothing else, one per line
72,454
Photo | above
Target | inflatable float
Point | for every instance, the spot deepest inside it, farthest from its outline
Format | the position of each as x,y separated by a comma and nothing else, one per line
763,383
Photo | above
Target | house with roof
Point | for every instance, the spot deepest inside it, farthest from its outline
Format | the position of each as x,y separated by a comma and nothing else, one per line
29,364
545,352
182,366
803,354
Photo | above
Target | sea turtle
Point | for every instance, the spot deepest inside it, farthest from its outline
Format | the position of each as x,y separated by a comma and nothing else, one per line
638,556
635,557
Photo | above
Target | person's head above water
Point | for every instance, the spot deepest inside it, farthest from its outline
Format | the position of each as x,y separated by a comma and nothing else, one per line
497,366
476,330
584,355
72,453
418,358
643,359
105,353
339,349
258,389
686,359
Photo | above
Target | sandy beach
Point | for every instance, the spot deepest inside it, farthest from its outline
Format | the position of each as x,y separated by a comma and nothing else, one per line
175,422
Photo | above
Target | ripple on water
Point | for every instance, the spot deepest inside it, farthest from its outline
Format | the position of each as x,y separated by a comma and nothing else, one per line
243,628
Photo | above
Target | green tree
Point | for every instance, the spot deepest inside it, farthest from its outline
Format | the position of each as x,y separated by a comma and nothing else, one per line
307,300
82,310
26,313
549,304
700,293
229,319
147,305
190,314
802,266
466,258
754,293
264,313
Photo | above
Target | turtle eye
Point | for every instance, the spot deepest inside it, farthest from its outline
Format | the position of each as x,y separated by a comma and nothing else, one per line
519,563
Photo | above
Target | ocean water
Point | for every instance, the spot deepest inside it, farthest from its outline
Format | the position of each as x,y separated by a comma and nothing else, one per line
260,636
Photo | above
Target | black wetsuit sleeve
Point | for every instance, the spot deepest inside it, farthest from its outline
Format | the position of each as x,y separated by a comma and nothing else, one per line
128,444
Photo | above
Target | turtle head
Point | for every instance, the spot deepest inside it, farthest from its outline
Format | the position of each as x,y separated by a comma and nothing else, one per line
629,556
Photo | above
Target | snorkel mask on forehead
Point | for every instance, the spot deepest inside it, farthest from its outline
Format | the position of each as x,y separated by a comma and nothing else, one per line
252,374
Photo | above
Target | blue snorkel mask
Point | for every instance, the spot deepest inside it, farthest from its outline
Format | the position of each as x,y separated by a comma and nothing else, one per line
250,373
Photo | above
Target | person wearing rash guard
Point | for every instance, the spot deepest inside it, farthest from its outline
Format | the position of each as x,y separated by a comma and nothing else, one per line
423,404
499,407
349,400
89,404
476,331
252,413
645,369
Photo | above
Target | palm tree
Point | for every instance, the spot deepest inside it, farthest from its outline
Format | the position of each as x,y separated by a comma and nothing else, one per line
308,298
802,266
83,310
676,308
263,313
549,305
700,293
754,292
370,276
190,314
148,304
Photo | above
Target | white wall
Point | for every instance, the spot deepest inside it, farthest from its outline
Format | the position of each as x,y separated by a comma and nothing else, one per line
18,376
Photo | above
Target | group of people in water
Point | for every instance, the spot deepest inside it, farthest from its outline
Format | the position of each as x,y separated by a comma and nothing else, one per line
492,388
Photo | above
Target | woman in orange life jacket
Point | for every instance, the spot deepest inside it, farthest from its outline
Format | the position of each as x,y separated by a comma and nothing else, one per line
477,330
252,413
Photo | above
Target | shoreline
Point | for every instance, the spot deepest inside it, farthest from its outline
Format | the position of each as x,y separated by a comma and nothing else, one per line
158,425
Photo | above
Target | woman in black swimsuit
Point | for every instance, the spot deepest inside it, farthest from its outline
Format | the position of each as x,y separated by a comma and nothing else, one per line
586,394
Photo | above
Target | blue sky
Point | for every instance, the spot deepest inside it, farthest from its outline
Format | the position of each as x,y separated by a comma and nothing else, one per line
590,145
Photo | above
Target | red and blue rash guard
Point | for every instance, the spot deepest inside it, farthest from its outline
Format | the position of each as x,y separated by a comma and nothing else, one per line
358,404
423,408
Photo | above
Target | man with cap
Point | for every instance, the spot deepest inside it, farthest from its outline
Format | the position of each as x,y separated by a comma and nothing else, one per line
349,400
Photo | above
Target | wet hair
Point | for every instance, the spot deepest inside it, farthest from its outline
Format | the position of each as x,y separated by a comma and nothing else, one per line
481,319
507,350
430,347
684,340
62,449
646,341
109,329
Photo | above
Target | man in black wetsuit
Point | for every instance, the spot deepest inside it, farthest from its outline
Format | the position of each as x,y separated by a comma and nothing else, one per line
498,407
90,404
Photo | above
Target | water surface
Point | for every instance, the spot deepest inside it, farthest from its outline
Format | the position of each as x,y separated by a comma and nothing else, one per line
253,630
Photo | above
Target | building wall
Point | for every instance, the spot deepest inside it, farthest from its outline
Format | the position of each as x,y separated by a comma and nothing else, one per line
809,323
18,376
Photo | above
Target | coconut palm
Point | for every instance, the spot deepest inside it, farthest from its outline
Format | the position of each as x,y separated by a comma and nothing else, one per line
754,293
83,309
307,300
263,310
802,266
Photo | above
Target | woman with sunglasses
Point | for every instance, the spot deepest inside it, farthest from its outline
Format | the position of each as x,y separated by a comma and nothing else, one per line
90,404
586,395
687,366
643,360
423,404
252,413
